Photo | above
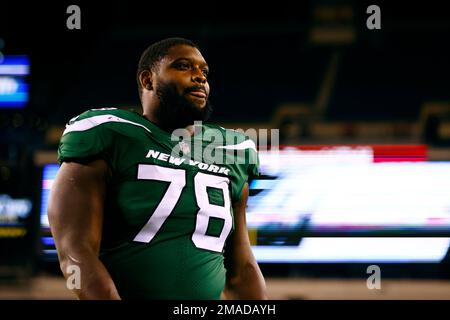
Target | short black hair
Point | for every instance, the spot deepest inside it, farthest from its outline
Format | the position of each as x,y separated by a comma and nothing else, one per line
155,52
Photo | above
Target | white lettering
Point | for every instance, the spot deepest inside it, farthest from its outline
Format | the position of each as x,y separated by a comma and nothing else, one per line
152,153
193,162
224,170
213,168
185,310
271,309
203,166
176,161
163,157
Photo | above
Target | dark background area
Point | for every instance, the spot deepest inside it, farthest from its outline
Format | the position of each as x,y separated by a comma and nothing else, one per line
260,55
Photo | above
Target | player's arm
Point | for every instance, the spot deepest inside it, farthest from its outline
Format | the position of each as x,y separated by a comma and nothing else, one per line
75,214
244,278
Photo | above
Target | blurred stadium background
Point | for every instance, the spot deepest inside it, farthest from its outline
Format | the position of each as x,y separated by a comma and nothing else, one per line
364,118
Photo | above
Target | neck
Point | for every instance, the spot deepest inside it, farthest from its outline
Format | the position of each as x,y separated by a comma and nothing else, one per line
152,118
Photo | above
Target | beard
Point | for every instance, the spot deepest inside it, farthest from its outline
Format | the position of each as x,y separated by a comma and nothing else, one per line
175,111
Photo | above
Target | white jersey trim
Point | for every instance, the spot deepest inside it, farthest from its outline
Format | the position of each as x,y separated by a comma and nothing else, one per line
89,123
247,144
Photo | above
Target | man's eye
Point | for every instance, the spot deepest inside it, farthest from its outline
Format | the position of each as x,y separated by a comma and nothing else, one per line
205,72
182,66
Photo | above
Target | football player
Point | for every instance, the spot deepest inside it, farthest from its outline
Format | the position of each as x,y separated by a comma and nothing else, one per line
142,221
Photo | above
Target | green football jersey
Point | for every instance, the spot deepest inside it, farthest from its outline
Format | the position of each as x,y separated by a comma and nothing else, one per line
168,210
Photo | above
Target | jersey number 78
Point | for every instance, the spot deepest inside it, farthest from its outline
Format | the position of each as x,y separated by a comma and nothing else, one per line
177,180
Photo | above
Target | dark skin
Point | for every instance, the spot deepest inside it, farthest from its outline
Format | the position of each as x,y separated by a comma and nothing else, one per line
184,67
76,202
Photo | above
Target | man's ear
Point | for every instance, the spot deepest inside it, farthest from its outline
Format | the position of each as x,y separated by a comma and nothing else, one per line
145,79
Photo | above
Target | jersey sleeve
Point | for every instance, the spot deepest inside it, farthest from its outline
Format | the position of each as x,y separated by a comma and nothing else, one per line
247,170
85,139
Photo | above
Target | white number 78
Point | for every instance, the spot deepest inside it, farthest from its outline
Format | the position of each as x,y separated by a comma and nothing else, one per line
177,180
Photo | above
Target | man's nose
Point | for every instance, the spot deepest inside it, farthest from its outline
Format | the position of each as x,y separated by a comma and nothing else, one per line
198,76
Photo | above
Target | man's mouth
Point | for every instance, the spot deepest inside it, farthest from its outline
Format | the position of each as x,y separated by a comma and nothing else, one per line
198,92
